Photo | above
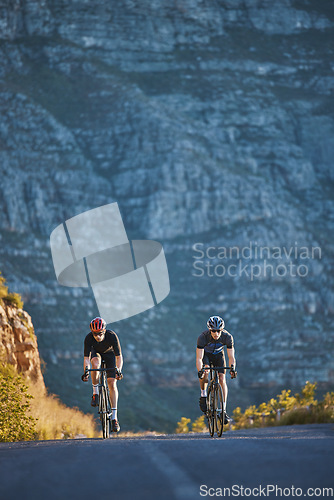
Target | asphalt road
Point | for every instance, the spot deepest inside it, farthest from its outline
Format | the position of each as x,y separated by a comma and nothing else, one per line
168,467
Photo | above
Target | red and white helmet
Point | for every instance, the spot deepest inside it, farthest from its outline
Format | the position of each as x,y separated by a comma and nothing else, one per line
97,325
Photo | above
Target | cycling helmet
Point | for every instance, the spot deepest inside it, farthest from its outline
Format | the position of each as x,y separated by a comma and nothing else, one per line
215,323
97,325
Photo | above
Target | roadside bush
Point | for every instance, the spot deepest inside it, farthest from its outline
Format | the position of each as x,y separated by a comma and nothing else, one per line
182,426
285,409
199,425
15,422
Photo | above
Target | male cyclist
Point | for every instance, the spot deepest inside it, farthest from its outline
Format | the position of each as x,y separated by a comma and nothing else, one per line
210,348
102,344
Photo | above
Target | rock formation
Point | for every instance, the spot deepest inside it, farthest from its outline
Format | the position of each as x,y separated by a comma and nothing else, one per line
19,343
208,122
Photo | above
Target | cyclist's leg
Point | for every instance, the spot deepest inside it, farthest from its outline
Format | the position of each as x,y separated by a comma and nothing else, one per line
113,390
222,380
203,382
95,360
110,361
219,360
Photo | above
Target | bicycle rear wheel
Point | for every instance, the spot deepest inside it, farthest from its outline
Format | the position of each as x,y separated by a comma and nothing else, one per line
210,412
219,410
103,412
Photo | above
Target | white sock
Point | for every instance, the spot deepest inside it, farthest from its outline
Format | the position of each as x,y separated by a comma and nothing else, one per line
204,393
95,388
224,405
113,413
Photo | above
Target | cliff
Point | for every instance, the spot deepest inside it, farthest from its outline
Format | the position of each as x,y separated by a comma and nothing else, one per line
209,123
19,343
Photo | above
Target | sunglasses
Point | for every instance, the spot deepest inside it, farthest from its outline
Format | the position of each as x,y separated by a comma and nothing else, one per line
215,331
98,334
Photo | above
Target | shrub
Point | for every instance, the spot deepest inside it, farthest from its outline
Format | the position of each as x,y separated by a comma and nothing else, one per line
13,298
182,426
199,425
15,422
301,408
306,398
3,287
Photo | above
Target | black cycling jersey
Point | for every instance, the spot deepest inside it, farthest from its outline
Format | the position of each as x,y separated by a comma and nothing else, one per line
110,343
211,346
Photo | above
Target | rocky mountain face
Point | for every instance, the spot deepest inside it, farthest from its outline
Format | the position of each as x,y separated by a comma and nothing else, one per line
19,343
211,124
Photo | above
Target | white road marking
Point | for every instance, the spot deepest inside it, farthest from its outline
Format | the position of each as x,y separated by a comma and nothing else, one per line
182,485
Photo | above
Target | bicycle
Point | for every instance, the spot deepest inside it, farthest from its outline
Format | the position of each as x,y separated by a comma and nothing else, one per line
215,401
104,407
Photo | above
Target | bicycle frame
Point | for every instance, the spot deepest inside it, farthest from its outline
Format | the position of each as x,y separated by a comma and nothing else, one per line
104,408
215,402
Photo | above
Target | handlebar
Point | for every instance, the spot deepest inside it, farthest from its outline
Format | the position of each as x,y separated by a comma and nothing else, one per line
98,369
204,369
218,368
87,370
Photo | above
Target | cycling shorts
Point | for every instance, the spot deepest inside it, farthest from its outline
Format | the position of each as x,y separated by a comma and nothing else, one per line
109,359
215,359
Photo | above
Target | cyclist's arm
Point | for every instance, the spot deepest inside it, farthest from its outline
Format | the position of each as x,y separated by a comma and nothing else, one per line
119,362
199,357
231,356
86,362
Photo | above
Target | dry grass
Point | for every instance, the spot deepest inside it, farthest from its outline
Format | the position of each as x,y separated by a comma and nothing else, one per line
57,421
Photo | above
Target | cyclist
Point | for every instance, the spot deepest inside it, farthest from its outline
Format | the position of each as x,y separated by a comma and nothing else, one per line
102,344
210,348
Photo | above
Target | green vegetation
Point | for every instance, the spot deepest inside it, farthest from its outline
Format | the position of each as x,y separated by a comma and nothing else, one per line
198,425
15,299
286,409
12,298
26,413
15,422
182,426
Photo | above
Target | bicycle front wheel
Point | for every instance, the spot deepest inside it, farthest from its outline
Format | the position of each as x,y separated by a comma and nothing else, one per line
103,413
210,412
219,410
109,412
